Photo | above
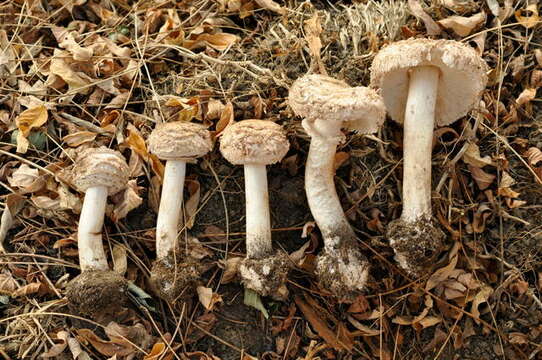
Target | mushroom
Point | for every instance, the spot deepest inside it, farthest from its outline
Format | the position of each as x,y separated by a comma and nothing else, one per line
177,143
329,105
255,144
97,292
424,83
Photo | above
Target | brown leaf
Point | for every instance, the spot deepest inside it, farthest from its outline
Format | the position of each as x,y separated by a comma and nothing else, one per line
207,297
481,297
8,285
231,269
159,351
219,41
14,204
27,179
226,118
272,6
26,121
79,138
129,200
430,25
528,17
526,96
518,338
443,273
482,179
191,205
57,349
120,259
30,289
119,347
533,155
340,159
463,26
319,324
313,29
472,157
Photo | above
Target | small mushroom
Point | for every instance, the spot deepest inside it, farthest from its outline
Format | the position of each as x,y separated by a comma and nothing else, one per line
255,144
424,83
97,292
329,105
177,143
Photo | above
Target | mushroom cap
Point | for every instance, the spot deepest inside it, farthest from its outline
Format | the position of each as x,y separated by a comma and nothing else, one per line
462,76
254,142
100,167
180,140
322,98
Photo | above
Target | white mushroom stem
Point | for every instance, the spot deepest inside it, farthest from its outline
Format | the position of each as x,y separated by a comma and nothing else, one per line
169,213
258,223
417,143
89,234
320,186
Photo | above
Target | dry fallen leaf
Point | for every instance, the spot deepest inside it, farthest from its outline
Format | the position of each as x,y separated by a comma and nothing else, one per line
528,17
482,179
472,157
430,25
463,26
26,121
207,297
533,155
78,138
526,96
129,200
117,346
313,29
271,5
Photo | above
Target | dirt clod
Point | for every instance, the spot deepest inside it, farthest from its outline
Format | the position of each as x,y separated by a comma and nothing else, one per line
266,276
173,275
416,244
100,295
343,272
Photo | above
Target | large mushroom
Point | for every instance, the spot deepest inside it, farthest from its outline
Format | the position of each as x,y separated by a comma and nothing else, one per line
177,143
255,144
329,105
424,83
97,292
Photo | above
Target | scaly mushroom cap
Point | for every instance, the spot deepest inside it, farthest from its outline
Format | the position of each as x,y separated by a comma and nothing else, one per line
100,167
462,76
321,99
180,140
254,142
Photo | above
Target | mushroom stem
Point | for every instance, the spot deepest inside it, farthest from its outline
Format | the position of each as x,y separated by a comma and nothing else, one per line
89,234
169,213
418,140
258,223
320,188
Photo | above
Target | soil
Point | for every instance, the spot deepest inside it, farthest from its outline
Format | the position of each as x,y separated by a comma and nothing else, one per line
175,276
416,244
240,326
267,276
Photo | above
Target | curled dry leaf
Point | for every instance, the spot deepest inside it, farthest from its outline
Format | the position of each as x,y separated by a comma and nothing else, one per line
463,26
226,118
482,179
219,41
26,121
272,6
129,200
313,29
481,297
79,138
191,205
528,17
533,155
116,346
26,179
14,203
66,40
207,297
231,269
120,259
430,25
526,96
472,157
8,285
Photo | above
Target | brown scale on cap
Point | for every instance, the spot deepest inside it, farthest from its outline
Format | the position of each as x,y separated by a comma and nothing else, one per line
180,140
254,142
100,167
